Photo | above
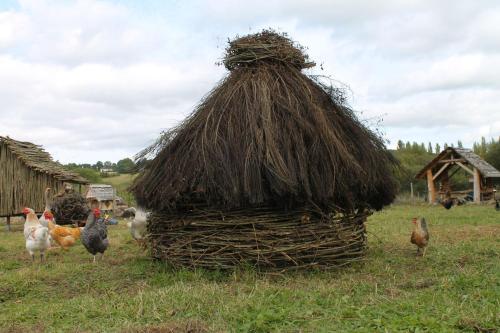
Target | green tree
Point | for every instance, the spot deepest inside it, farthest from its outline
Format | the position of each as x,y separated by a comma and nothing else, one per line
493,155
459,144
88,173
437,150
483,147
401,145
412,159
125,166
429,148
108,165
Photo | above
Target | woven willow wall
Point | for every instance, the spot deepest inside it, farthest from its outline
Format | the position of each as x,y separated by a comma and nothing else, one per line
263,238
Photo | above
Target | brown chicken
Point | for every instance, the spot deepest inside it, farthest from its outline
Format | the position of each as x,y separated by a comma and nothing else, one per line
420,235
64,236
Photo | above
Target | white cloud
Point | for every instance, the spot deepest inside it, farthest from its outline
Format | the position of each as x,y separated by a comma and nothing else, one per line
104,108
12,27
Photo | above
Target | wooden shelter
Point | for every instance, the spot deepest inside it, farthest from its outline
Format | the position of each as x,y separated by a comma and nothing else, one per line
447,163
26,170
101,196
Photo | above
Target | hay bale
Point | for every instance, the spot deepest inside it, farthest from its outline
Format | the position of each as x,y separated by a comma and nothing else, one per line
269,138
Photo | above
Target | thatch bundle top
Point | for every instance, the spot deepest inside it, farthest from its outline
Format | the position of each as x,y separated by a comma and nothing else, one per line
268,135
266,46
36,158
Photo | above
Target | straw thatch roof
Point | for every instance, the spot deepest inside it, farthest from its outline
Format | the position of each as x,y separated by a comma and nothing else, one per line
26,170
36,158
268,134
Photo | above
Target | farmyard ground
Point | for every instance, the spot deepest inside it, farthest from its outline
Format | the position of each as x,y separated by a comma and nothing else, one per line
455,288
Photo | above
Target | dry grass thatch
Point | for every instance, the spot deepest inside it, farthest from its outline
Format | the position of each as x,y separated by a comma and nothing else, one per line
37,159
268,134
267,137
265,47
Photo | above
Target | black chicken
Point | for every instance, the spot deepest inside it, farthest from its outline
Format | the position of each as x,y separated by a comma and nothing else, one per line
497,206
447,203
95,235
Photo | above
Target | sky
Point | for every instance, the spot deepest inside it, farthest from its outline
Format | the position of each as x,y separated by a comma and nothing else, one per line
99,80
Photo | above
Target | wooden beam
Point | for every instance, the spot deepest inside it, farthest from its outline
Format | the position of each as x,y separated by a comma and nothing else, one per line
430,186
477,186
466,168
8,223
440,171
453,160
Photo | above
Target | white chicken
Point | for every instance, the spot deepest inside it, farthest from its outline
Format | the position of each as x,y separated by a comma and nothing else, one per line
138,225
36,235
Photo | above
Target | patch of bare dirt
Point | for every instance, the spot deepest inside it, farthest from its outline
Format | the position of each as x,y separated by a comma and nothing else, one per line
474,326
191,326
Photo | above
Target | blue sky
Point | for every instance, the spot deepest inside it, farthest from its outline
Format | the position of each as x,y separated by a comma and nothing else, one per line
98,80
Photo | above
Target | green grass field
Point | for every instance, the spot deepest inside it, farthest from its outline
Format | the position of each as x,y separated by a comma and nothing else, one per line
455,288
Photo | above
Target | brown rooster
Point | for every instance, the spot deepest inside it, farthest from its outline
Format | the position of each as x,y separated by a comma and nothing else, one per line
420,234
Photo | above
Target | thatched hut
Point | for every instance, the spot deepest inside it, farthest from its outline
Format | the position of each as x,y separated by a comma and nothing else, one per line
272,169
25,171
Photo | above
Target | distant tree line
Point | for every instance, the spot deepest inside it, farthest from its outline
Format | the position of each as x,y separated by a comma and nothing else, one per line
95,172
414,156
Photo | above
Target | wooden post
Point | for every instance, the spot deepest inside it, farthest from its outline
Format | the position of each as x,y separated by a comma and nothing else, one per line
430,186
411,191
8,223
477,186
